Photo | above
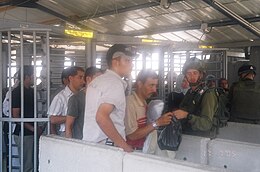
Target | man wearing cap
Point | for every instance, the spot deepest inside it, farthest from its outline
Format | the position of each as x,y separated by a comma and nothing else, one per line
106,103
199,104
210,81
244,96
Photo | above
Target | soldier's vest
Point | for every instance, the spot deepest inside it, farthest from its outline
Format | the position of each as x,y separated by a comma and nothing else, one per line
245,101
192,104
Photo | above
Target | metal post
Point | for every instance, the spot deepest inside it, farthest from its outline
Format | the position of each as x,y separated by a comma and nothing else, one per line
48,72
1,105
35,103
10,103
225,64
22,99
161,73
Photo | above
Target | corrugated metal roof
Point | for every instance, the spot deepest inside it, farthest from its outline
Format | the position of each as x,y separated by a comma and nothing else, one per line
181,22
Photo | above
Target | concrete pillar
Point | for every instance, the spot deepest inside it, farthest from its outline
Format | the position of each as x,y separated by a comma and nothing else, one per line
91,52
255,60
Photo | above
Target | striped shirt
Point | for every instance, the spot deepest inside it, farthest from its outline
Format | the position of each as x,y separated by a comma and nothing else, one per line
135,118
59,105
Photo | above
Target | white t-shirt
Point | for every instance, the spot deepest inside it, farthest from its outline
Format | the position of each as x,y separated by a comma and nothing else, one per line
59,105
107,88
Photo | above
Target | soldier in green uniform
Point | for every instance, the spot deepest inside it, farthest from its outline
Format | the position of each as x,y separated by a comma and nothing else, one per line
244,97
199,104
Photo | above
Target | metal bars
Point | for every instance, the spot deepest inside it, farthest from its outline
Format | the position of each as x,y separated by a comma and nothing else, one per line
26,42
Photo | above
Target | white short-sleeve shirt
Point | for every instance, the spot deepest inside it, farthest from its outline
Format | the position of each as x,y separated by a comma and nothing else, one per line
59,105
107,88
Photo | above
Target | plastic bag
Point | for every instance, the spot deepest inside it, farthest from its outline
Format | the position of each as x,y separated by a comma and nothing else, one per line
170,136
154,110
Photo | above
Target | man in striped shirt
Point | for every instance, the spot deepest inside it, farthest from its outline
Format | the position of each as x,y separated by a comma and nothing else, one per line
58,108
136,120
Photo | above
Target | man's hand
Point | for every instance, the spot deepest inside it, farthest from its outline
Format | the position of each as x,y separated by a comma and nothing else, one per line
180,114
165,119
127,148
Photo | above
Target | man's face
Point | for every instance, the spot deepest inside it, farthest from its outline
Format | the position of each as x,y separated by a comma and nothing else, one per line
77,81
211,84
193,75
124,65
224,84
148,88
89,79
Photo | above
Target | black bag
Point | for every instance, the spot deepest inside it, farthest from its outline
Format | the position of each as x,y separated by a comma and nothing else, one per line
170,136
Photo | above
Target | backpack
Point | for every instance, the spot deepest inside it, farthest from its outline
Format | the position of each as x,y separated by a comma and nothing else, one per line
222,114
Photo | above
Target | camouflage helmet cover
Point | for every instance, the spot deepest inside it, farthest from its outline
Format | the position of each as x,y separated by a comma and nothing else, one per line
193,63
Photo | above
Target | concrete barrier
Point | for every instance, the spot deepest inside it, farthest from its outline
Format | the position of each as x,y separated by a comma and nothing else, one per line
234,155
138,162
240,132
193,149
61,154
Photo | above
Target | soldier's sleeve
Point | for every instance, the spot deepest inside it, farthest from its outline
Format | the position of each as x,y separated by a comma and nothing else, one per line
204,120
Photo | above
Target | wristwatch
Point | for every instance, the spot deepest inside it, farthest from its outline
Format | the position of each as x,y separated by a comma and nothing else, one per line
155,126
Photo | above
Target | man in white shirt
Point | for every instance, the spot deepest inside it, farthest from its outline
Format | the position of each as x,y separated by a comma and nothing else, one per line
105,101
58,108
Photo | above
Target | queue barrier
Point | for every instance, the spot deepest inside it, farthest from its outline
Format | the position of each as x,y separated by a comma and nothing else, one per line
238,156
240,132
194,154
61,154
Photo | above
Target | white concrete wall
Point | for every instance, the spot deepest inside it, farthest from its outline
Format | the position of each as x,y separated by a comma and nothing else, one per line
60,154
240,132
139,162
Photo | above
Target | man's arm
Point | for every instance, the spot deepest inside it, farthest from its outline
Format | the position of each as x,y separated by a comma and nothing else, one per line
204,120
209,106
142,132
69,125
57,119
105,123
55,108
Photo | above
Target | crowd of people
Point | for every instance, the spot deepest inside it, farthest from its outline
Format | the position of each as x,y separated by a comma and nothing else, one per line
92,104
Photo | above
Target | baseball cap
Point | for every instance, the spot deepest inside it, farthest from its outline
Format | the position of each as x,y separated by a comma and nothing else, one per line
247,68
118,50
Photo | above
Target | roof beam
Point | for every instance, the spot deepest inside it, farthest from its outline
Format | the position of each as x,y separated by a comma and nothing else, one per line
122,10
193,26
62,17
233,16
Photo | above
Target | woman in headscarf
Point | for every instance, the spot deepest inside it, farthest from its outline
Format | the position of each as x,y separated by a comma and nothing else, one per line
175,97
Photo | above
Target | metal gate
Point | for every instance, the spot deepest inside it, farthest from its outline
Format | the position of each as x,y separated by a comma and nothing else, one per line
21,47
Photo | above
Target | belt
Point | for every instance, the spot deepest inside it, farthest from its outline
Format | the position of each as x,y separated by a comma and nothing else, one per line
138,148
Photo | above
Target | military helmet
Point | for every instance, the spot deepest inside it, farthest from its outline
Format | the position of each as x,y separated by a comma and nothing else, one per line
210,78
193,63
246,68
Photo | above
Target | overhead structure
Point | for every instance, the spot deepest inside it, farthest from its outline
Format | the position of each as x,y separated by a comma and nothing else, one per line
234,16
165,20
